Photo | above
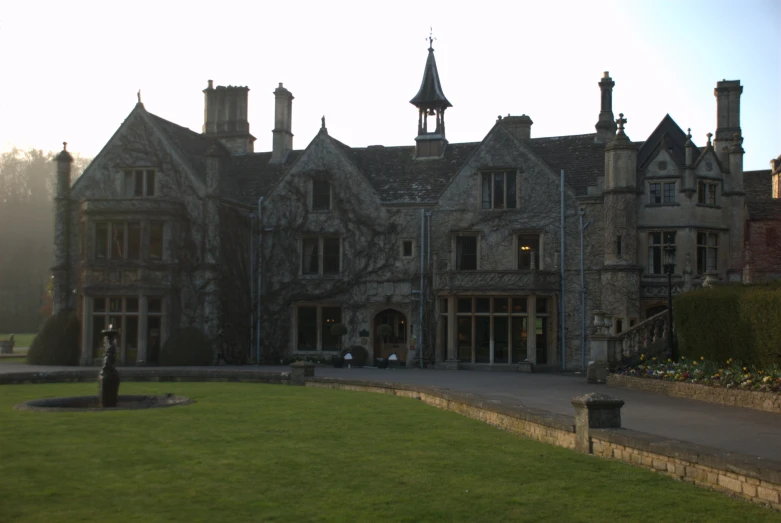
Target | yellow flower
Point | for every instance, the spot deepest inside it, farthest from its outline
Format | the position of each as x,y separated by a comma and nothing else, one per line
669,360
702,358
745,369
683,357
694,362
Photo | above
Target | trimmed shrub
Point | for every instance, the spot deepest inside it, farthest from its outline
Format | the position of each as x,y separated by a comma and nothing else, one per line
731,321
187,346
359,353
57,343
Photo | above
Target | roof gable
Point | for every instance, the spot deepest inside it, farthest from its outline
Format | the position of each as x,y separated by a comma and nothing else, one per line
667,135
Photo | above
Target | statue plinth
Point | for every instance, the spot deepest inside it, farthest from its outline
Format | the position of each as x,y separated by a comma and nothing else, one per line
108,379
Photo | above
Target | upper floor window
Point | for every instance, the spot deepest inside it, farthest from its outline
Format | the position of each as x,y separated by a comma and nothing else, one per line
139,182
706,193
466,252
528,251
498,190
118,241
658,241
406,248
661,192
707,252
321,195
321,255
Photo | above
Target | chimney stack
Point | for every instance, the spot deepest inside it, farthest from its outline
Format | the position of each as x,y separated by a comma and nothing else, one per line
225,117
727,93
519,126
283,123
606,125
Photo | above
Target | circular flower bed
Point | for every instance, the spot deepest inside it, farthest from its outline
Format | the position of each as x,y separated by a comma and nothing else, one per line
731,374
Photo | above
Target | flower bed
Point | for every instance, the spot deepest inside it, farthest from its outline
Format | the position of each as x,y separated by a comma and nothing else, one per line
727,384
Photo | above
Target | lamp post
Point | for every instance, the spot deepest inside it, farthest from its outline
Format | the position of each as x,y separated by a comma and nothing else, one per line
669,268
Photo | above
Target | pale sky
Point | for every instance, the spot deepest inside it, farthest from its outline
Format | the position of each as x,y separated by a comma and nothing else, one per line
73,68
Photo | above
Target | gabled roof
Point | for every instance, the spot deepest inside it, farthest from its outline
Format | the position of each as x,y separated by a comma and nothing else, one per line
670,136
430,93
582,159
398,177
191,145
252,176
758,185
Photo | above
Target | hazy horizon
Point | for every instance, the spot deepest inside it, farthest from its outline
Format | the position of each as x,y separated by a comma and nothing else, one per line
79,65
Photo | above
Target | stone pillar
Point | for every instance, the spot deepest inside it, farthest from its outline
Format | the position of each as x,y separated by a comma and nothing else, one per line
62,233
300,370
606,127
143,327
86,332
531,330
452,335
594,411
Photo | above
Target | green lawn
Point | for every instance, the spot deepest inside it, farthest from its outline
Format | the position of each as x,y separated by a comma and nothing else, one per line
20,340
250,452
20,359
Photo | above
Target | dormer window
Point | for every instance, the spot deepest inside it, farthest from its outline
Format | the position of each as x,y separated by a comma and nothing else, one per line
321,195
499,190
706,193
139,183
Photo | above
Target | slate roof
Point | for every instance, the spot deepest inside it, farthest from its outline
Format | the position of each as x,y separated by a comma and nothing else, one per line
192,145
758,185
252,176
398,177
581,158
759,199
674,140
430,93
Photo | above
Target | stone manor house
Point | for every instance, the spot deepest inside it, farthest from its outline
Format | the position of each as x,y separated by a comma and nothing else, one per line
471,251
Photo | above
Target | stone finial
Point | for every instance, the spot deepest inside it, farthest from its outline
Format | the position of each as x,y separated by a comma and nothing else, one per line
709,135
138,94
64,155
621,121
322,122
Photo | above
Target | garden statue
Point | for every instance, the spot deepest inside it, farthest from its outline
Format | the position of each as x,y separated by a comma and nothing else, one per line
108,379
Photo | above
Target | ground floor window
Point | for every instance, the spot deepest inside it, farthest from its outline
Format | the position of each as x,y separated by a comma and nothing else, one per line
496,329
313,327
124,314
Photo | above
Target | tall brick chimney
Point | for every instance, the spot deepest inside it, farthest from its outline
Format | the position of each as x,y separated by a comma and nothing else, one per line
225,117
283,124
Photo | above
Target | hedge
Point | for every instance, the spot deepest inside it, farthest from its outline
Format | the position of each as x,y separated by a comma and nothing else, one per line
736,321
57,343
187,346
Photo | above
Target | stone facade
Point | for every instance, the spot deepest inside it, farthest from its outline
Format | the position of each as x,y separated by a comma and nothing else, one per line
470,250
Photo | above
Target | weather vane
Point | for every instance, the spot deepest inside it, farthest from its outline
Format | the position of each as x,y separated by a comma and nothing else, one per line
431,38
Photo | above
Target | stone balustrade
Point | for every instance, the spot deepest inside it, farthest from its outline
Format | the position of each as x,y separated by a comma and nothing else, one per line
647,337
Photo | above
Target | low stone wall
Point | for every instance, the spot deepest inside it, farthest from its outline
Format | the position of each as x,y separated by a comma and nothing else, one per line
731,473
147,374
765,401
535,424
736,474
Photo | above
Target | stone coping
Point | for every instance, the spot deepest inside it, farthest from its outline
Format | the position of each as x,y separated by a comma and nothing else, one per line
751,399
502,412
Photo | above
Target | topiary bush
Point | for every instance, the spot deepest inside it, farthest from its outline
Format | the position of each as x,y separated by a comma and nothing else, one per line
187,346
731,321
57,343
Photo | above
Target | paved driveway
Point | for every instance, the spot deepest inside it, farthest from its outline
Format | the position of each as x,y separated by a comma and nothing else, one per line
732,429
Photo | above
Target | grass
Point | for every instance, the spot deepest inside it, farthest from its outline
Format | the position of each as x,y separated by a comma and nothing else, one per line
20,340
20,359
250,452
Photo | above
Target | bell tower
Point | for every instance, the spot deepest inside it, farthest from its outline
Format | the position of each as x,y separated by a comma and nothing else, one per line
431,102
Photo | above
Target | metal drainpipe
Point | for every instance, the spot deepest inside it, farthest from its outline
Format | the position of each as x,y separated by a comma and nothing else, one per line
581,212
422,293
259,275
561,231
252,280
428,263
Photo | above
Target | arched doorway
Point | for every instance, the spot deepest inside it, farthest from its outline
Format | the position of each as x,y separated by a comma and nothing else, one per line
391,332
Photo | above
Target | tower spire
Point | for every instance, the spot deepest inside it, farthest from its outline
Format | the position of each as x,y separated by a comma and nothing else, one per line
430,101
